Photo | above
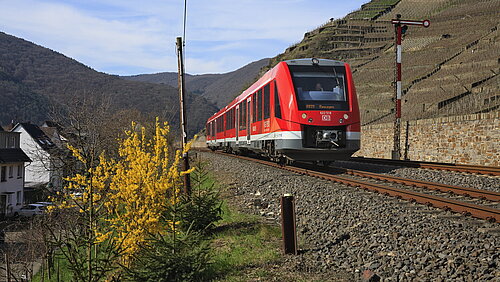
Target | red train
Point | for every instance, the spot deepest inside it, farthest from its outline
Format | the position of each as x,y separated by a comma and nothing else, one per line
304,109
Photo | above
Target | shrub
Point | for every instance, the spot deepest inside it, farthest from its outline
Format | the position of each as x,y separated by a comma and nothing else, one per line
182,256
202,209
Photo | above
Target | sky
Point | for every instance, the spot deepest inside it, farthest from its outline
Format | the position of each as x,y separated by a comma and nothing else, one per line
128,37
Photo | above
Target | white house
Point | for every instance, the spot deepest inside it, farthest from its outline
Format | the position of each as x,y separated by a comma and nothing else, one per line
45,167
12,163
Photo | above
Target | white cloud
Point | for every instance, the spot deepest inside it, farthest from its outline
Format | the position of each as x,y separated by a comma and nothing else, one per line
125,36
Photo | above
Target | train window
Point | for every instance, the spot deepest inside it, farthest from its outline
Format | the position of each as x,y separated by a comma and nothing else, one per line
240,117
254,111
242,114
320,88
233,118
244,119
259,105
267,102
230,119
230,122
277,108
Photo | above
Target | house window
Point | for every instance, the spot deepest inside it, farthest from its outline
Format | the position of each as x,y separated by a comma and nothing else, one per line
19,198
3,173
11,171
12,142
20,171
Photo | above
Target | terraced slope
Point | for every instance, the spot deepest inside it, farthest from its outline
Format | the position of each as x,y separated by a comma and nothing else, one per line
448,69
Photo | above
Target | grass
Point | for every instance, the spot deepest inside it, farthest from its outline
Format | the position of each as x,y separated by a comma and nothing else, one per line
60,272
243,246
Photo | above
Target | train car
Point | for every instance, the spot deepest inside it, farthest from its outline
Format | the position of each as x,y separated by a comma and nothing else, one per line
303,109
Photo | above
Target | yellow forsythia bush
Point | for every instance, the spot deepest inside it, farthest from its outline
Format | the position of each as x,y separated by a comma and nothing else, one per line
134,189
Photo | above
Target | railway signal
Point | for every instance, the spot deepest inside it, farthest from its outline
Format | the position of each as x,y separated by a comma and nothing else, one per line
400,27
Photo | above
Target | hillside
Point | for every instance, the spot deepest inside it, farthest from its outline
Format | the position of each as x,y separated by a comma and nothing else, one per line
450,68
33,79
217,88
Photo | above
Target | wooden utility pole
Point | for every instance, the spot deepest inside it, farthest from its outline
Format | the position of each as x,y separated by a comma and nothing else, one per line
185,157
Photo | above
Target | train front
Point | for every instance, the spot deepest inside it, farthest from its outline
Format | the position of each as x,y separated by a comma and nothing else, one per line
323,104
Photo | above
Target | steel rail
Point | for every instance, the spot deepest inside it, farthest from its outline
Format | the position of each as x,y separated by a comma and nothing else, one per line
464,191
477,169
478,211
435,201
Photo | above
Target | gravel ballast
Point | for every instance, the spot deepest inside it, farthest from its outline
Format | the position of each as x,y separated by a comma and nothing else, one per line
347,230
491,183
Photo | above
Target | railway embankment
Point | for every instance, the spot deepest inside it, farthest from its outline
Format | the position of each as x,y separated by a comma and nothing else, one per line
345,231
468,139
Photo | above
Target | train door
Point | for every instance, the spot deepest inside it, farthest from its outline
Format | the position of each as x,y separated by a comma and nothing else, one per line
237,123
249,119
215,131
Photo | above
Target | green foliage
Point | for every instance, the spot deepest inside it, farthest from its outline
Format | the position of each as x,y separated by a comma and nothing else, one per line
202,209
176,257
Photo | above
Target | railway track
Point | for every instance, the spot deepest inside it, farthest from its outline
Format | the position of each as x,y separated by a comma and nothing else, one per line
475,169
463,191
464,207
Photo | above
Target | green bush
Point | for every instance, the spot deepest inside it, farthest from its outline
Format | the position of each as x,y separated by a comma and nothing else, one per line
202,209
182,256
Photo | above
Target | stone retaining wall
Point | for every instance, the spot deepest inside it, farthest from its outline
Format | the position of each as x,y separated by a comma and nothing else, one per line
469,139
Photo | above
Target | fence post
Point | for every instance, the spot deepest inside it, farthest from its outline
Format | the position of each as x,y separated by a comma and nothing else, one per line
288,228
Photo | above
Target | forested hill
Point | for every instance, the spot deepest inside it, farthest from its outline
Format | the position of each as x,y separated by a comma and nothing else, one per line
33,79
219,89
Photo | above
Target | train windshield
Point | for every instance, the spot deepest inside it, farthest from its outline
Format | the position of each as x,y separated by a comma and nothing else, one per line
320,88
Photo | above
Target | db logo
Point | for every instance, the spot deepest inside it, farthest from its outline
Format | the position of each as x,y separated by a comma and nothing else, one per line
326,118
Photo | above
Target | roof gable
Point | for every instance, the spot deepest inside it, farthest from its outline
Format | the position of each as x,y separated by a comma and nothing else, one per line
37,134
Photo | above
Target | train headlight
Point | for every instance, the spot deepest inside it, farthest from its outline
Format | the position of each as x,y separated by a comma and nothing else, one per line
346,116
341,120
310,120
304,115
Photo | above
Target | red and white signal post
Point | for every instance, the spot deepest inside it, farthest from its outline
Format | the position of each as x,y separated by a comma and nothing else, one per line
400,27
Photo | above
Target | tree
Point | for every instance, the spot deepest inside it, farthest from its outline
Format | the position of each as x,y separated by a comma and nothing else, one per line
118,202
